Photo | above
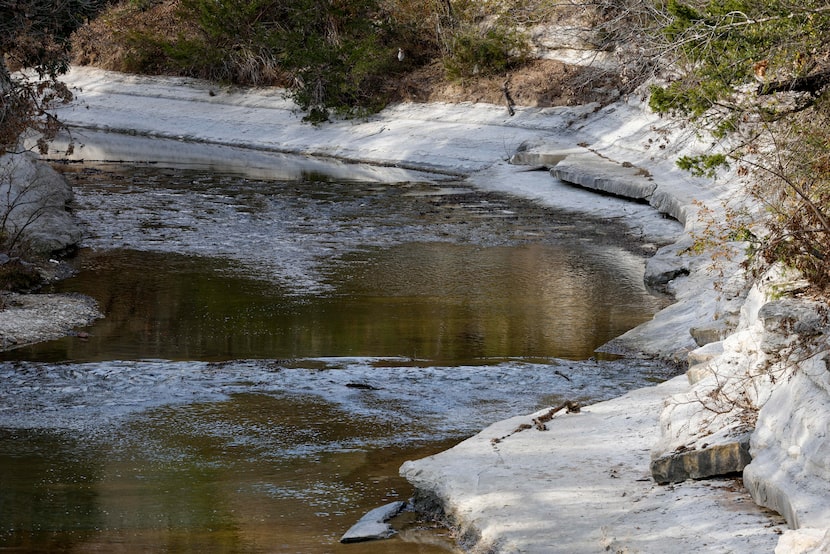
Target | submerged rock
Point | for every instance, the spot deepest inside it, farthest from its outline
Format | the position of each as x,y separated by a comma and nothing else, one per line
373,525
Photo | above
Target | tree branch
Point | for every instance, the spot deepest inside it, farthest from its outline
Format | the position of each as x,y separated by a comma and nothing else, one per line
812,84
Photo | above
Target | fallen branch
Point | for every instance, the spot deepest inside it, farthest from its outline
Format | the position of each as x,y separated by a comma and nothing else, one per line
569,406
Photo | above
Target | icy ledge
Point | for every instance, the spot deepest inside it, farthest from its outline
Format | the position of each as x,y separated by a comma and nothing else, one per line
790,470
762,392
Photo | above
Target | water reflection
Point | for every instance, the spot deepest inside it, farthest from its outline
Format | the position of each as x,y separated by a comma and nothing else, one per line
449,303
203,495
48,491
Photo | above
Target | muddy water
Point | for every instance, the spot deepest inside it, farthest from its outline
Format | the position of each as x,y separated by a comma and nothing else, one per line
274,350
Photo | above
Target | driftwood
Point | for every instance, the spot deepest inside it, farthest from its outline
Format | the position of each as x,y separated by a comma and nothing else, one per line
569,406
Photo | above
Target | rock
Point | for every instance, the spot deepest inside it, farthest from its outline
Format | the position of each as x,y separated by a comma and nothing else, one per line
571,42
38,207
537,154
788,320
805,541
373,525
667,264
597,173
711,333
720,459
534,159
706,353
361,386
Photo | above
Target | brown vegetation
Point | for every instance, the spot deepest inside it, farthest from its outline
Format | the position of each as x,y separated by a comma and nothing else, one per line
538,83
111,42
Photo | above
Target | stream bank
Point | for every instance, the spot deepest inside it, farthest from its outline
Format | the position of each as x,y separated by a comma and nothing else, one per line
36,216
478,141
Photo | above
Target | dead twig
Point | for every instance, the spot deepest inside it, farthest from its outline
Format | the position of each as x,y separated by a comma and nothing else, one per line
569,406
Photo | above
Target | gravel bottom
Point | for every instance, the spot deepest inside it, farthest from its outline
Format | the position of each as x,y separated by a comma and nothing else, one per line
31,318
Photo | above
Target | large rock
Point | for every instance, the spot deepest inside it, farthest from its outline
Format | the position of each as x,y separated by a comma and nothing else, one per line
730,456
33,205
594,171
597,173
668,264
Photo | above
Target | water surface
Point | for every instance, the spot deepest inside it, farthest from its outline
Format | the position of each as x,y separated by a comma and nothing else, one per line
274,349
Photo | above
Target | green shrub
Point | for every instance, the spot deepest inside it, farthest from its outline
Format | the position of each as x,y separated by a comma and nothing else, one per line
332,54
484,52
145,53
760,68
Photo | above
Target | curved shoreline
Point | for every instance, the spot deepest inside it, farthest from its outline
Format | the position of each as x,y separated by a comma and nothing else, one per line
606,503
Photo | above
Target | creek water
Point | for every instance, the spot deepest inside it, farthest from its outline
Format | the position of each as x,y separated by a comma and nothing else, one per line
273,350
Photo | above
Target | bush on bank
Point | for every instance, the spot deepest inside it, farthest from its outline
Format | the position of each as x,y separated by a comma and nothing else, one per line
333,56
756,74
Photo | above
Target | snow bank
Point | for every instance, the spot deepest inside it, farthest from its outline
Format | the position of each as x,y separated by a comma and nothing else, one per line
581,485
790,470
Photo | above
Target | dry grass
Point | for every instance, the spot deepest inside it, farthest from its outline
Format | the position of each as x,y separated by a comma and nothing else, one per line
538,83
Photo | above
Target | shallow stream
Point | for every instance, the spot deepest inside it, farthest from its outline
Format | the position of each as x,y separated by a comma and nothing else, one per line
274,349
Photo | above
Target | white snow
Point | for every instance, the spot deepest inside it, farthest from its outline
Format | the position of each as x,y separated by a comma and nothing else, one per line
583,485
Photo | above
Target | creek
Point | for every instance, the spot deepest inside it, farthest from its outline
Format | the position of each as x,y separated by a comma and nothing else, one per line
274,348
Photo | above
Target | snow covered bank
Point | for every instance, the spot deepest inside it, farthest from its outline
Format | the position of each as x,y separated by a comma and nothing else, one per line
583,485
447,138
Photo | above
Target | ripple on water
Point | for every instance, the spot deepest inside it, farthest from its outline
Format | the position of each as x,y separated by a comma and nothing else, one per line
387,400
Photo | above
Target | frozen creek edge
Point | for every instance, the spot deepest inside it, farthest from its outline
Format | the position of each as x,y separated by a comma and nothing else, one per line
621,134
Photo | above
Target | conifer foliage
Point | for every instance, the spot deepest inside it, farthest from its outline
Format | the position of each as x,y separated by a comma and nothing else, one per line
758,75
